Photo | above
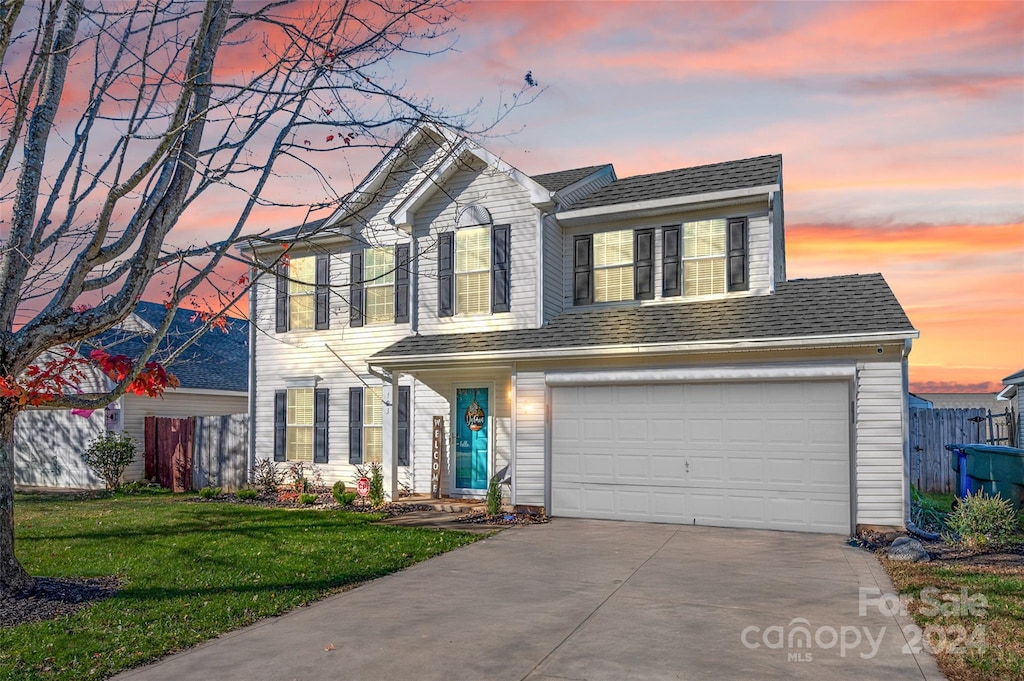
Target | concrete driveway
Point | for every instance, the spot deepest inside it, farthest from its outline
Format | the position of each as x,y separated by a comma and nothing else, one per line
588,599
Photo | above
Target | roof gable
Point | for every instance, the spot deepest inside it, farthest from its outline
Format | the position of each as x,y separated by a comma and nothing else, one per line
559,180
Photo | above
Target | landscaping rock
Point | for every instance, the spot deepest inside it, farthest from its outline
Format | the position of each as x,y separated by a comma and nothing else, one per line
908,549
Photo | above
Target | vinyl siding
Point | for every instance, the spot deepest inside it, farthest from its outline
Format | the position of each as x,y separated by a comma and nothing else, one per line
508,203
531,442
778,220
758,247
879,444
177,404
554,268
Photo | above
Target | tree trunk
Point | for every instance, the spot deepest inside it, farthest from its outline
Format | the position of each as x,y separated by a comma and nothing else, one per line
13,577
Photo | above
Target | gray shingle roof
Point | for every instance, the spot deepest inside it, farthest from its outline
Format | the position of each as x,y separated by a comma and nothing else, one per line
799,308
563,178
217,361
749,172
1015,378
306,229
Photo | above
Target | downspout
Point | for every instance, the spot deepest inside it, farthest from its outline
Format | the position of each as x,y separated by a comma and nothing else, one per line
252,369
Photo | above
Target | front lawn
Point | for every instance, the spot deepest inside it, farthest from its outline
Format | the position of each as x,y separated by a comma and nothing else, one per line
189,572
953,630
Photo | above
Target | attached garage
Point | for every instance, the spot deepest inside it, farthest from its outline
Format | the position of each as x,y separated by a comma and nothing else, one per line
769,454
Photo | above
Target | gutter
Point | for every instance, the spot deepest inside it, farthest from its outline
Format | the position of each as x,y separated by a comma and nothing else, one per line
651,349
616,211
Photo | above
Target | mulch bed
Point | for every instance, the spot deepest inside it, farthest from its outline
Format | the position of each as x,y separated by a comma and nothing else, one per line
324,501
941,552
51,598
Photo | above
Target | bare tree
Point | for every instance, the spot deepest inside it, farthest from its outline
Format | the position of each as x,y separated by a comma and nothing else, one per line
120,120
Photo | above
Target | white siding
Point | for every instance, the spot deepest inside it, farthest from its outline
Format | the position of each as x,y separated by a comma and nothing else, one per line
530,469
778,220
176,404
508,203
48,447
554,268
879,442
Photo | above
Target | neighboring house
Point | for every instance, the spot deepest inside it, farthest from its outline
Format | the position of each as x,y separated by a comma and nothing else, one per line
1012,393
213,373
628,348
916,402
965,401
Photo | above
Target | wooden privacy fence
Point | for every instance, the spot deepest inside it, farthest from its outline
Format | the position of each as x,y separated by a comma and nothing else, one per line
932,429
197,451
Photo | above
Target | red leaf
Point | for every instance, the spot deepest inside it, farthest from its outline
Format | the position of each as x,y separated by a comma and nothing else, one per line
330,138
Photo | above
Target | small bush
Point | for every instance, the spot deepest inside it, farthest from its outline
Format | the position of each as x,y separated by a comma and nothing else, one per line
494,497
347,498
926,513
247,494
376,485
267,476
981,520
307,499
338,491
142,487
109,455
210,492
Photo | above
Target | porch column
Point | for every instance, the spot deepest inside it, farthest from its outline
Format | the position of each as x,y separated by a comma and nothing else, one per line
389,440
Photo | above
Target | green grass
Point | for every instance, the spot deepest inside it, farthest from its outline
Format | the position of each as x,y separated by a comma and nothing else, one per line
1002,623
190,572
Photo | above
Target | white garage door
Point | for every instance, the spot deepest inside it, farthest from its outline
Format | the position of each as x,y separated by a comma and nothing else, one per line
771,455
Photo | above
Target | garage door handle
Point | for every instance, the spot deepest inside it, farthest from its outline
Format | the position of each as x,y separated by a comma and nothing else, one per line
686,463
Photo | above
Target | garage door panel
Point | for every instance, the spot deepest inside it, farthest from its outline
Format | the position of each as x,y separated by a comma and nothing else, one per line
766,455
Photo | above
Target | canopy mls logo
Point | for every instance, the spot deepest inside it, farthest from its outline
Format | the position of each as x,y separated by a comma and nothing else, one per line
801,641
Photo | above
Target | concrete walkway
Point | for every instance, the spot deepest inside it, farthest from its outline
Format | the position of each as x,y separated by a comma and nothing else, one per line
578,599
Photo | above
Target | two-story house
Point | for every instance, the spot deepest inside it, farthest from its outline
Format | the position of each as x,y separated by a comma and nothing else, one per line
619,347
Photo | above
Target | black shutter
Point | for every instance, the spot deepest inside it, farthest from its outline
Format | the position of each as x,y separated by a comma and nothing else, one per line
643,264
281,309
323,282
671,270
320,401
737,254
445,274
501,267
280,424
402,284
356,314
583,270
403,425
355,426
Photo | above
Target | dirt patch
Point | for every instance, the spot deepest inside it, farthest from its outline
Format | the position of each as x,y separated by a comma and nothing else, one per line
51,598
502,519
1006,557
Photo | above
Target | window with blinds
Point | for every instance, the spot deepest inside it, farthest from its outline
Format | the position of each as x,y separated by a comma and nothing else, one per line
704,257
300,425
613,266
301,286
379,283
473,270
373,425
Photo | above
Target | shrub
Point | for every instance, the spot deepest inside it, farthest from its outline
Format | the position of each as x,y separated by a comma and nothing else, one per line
347,498
307,498
247,494
376,485
267,476
142,487
338,491
210,492
981,520
494,497
108,455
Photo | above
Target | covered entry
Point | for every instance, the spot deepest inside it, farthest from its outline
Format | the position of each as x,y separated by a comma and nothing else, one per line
771,454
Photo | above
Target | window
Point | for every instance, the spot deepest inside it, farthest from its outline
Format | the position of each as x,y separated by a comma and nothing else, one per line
704,257
379,276
613,266
301,287
373,426
300,425
473,270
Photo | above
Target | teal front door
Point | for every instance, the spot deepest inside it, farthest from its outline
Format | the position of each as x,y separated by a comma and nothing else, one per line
471,417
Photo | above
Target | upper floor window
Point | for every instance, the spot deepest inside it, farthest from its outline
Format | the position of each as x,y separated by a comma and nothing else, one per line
613,266
704,247
473,270
301,289
379,275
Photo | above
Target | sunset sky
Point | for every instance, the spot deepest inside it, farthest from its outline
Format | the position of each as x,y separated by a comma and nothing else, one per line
901,128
